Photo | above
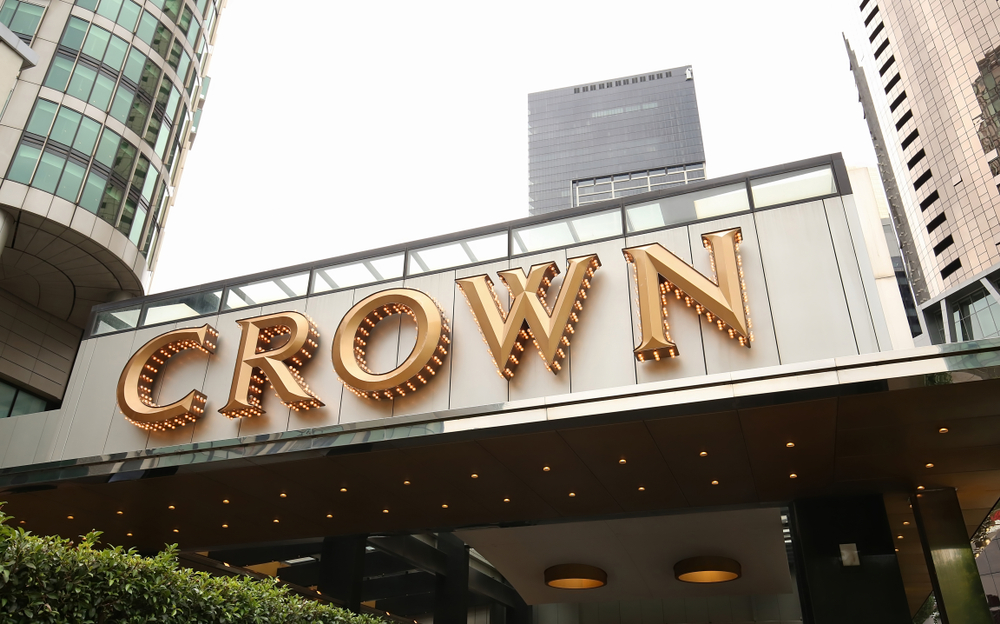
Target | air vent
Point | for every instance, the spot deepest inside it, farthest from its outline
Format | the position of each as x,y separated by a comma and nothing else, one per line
945,244
936,222
953,266
899,100
922,180
871,16
902,120
878,29
888,64
881,48
930,199
892,83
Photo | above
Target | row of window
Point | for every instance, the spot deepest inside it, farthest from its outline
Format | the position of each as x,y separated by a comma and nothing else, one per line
22,18
70,155
618,83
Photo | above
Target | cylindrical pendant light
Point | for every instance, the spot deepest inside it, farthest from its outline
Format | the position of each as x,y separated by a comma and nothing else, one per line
575,576
707,570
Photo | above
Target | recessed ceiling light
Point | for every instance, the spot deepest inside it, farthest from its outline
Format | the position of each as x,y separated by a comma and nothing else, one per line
283,495
343,489
329,515
703,454
385,511
475,476
22,522
171,507
943,430
69,517
715,483
790,444
445,506
622,461
793,476
920,487
276,521
575,576
177,530
406,482
899,537
906,523
928,465
546,468
120,513
225,501
128,535
225,526
707,570
897,550
506,500
642,489
572,494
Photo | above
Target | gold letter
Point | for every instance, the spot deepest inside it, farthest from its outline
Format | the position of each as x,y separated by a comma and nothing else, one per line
279,365
135,387
351,340
529,315
723,301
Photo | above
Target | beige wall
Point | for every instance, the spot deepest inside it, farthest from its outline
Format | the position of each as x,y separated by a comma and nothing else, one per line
36,349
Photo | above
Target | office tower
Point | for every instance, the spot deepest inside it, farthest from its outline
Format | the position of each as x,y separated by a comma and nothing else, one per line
93,137
928,74
612,139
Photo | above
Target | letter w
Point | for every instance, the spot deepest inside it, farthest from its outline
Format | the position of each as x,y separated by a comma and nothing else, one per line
529,316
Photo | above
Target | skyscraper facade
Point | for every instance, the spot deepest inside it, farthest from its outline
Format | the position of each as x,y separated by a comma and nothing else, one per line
612,139
928,74
102,104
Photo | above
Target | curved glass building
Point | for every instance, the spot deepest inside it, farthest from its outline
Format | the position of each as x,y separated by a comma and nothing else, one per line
94,135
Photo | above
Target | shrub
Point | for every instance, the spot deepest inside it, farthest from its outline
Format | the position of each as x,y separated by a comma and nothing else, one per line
53,580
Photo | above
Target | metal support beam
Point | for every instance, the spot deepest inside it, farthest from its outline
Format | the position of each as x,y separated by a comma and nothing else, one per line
342,568
950,562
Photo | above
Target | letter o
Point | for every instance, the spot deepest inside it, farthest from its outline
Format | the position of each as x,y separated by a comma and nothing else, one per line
351,340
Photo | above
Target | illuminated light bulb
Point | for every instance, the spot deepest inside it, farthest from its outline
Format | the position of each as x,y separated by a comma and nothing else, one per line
572,494
715,483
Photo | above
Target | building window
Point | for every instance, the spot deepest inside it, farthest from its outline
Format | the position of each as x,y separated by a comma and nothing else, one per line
70,155
22,18
15,401
976,316
626,184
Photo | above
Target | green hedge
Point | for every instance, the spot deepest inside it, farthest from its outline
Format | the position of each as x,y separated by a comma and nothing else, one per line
54,580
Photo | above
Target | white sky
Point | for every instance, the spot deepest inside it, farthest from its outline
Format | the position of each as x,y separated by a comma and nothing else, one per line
336,127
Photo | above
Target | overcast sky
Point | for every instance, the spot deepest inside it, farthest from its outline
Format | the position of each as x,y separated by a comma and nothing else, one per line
335,127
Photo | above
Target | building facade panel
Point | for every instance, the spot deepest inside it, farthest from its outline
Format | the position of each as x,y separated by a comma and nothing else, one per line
807,280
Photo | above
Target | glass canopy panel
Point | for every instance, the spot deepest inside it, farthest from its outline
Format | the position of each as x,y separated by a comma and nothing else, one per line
567,232
266,291
182,307
357,273
688,207
795,186
458,253
116,320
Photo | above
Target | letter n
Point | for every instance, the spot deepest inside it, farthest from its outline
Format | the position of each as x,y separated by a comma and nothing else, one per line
721,299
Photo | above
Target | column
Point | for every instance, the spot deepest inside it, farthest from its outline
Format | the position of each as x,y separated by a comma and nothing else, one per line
342,569
845,562
950,562
451,592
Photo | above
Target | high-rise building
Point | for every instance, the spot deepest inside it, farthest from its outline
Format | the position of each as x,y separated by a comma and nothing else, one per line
102,100
928,73
613,139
